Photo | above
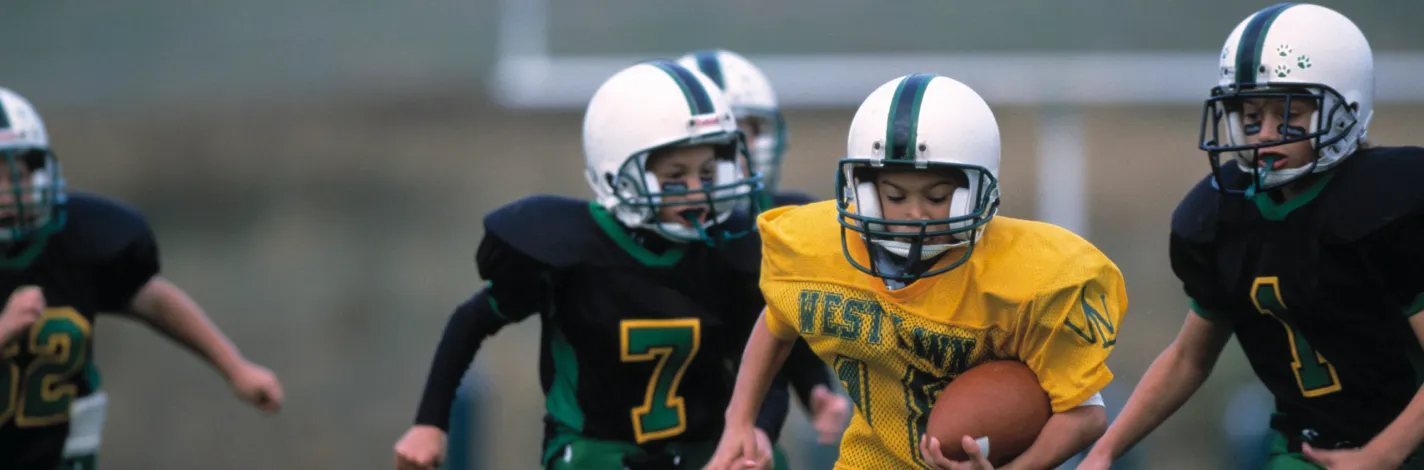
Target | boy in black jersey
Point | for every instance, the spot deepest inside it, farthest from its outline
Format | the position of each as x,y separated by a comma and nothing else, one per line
758,113
646,295
65,257
1308,249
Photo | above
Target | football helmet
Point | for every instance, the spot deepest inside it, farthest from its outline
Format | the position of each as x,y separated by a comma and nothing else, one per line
32,204
753,103
1295,52
658,105
919,122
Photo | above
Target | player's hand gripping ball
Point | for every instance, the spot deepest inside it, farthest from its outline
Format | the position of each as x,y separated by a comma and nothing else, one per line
1001,400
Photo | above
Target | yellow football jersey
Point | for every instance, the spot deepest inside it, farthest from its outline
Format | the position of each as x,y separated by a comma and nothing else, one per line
1030,291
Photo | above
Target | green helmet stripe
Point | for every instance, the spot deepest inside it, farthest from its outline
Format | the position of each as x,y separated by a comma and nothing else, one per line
698,101
708,64
1253,41
903,122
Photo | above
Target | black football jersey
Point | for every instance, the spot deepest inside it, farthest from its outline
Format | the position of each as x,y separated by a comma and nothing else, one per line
100,258
1318,288
640,336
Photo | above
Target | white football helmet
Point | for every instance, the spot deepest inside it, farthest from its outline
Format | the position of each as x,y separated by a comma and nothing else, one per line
656,105
920,122
753,102
34,203
1291,51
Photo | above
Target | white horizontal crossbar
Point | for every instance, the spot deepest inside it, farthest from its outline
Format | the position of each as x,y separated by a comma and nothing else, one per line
841,80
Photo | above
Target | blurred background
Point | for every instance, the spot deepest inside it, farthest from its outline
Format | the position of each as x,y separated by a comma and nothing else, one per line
317,171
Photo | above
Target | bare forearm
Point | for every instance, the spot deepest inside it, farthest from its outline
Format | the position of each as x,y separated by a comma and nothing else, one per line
1169,382
1404,434
169,310
1065,435
760,361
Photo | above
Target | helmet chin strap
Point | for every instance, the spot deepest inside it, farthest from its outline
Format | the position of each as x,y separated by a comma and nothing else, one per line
892,261
695,230
906,249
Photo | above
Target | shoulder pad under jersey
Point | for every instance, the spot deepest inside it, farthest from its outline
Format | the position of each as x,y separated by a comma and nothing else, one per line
791,198
558,231
99,228
1196,217
1372,189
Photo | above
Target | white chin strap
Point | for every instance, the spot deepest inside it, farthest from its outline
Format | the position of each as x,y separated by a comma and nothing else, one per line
682,233
902,249
961,203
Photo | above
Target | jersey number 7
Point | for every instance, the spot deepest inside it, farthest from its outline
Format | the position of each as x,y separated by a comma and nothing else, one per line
673,344
1313,373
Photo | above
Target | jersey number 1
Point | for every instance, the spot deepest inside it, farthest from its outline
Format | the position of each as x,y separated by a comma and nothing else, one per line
41,395
1313,373
672,344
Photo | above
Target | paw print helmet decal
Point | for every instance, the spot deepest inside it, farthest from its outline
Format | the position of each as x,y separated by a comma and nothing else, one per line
1296,52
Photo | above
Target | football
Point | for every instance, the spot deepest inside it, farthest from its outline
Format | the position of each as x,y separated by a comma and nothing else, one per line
1001,400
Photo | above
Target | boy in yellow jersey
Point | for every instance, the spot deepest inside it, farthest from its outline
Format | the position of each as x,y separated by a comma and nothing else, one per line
922,283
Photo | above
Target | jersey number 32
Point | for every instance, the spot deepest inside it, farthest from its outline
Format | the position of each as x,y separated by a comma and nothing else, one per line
40,394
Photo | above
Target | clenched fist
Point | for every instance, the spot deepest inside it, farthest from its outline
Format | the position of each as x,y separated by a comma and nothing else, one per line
24,308
422,448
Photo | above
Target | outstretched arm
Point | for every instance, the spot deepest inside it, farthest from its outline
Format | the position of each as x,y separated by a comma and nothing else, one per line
764,355
166,308
169,310
1174,376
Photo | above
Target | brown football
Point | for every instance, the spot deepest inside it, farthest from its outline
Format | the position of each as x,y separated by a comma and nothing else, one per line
998,399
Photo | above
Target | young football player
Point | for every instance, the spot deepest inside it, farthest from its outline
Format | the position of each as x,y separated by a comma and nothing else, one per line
1307,249
908,279
66,257
758,115
646,295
